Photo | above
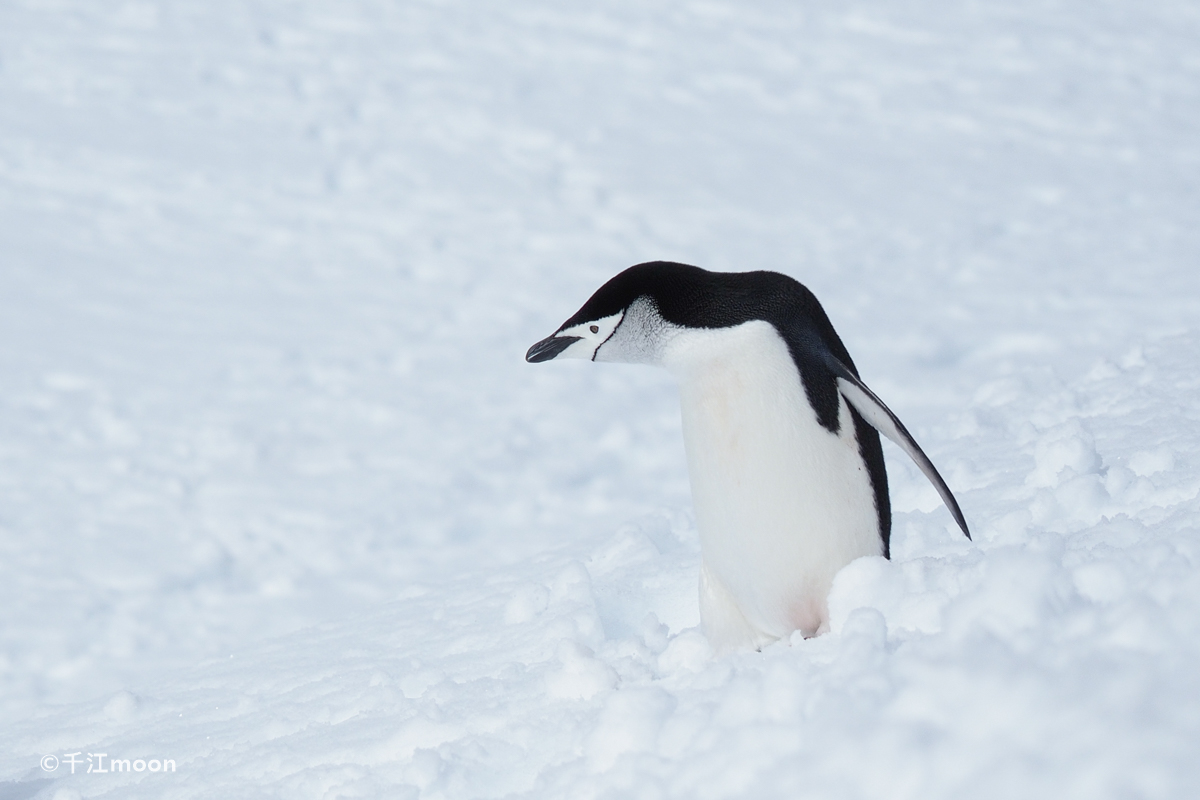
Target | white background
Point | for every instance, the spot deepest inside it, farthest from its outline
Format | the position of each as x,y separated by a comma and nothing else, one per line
280,499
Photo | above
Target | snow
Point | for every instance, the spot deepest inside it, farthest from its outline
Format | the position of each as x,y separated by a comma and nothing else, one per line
281,502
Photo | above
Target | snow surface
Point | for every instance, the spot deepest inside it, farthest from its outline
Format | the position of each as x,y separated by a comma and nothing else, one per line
280,501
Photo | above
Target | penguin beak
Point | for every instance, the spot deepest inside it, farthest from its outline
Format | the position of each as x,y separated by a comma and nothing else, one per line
548,348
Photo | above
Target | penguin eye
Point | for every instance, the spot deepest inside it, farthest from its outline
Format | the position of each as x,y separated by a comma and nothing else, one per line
594,328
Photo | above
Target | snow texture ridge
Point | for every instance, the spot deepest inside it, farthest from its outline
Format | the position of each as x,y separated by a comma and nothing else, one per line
281,503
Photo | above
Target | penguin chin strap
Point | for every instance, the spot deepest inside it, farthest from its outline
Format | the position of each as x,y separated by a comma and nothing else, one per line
883,420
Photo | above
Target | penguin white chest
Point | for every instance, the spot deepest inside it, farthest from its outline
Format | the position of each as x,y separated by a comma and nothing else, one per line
781,502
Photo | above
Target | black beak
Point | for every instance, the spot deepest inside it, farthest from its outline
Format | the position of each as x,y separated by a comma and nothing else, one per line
547,349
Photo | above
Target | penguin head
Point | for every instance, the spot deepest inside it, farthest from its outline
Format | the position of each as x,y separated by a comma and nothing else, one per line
666,314
582,339
650,310
622,321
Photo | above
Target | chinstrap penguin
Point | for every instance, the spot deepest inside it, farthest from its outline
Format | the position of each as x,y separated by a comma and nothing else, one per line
783,453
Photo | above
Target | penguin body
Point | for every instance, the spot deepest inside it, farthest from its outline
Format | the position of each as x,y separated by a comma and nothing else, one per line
784,458
781,502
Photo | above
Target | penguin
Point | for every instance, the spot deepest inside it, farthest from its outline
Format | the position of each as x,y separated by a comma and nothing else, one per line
780,432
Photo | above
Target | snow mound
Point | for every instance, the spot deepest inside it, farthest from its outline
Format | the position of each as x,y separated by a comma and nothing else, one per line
1053,657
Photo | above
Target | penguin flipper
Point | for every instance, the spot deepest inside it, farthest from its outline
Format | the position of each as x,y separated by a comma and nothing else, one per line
883,420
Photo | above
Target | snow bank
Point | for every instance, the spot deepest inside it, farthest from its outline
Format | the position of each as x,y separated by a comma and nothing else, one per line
1051,658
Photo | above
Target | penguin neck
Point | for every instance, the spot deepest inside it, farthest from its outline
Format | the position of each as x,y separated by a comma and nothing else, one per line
728,377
